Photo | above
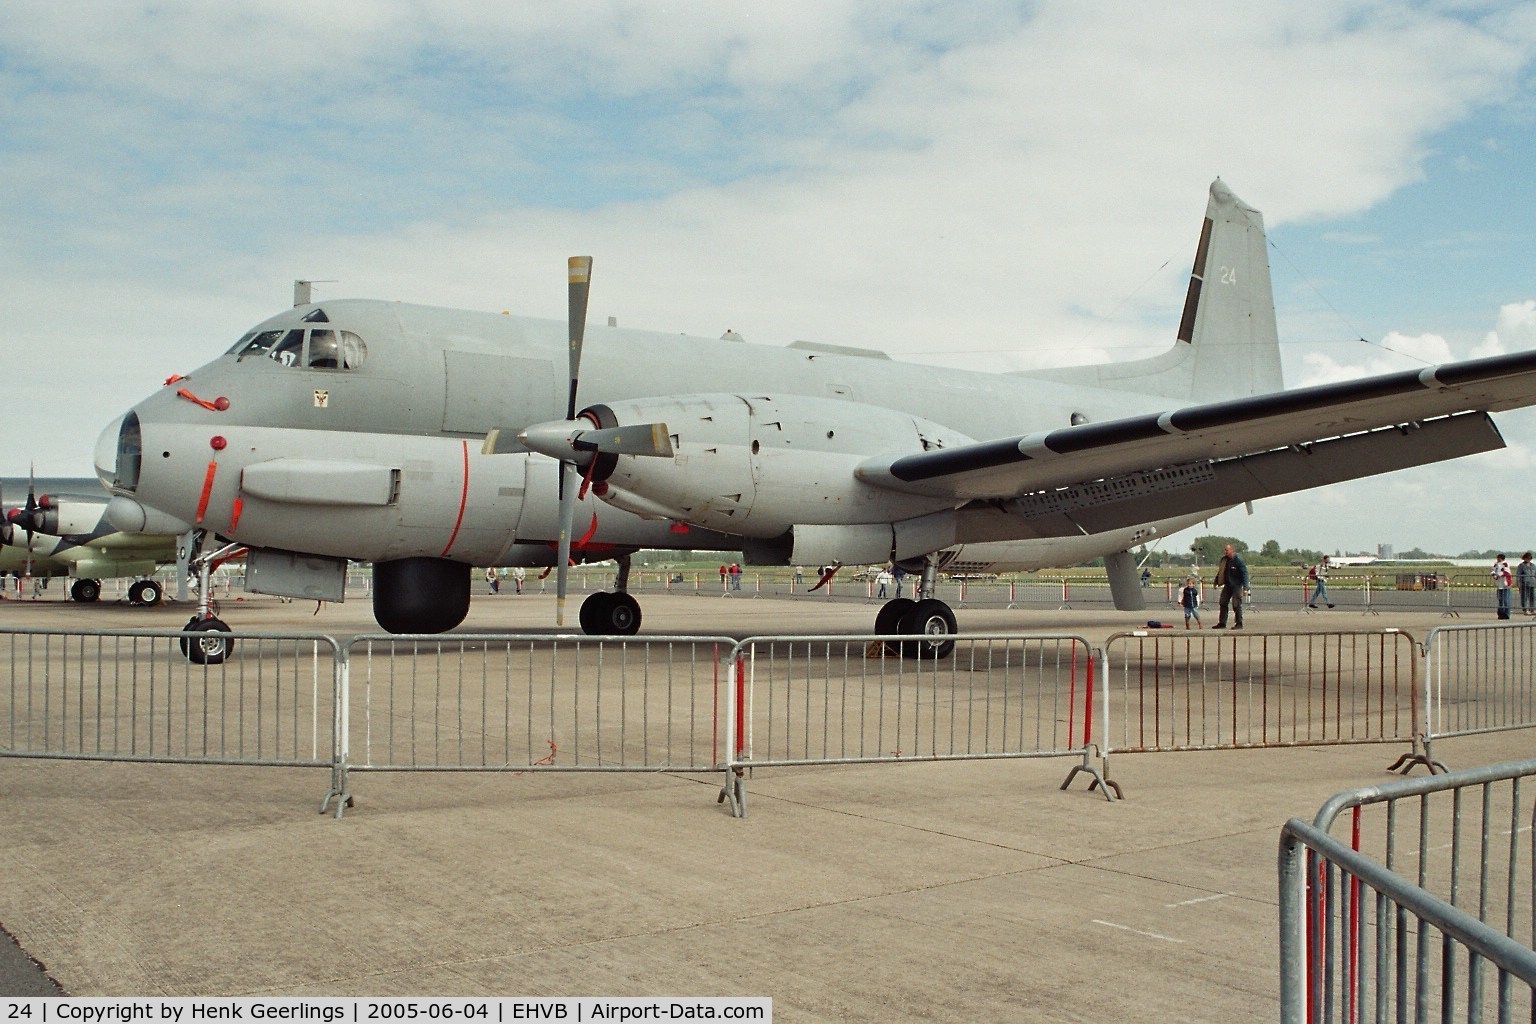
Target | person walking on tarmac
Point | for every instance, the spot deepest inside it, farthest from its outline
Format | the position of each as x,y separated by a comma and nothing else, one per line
1232,578
1318,575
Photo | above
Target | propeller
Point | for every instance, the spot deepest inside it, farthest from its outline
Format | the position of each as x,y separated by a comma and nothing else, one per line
578,440
577,292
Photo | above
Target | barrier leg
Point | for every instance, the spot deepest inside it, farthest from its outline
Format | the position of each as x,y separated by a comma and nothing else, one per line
1419,755
337,792
734,791
1099,782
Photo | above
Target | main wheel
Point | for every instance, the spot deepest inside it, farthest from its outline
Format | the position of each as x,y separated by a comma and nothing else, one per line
933,620
888,618
605,614
204,644
593,610
146,593
85,591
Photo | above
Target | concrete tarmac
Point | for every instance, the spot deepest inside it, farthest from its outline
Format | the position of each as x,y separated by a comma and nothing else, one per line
961,891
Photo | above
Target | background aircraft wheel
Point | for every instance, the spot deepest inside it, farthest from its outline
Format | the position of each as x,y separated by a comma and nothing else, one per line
888,618
85,591
205,645
593,610
934,620
145,592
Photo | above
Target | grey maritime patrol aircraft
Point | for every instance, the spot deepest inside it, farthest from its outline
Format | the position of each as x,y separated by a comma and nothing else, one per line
429,440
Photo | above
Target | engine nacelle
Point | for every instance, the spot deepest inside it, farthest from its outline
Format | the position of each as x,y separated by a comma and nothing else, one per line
66,517
757,465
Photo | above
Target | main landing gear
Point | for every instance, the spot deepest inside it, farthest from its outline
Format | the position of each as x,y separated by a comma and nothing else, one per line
146,593
612,614
143,592
927,617
85,591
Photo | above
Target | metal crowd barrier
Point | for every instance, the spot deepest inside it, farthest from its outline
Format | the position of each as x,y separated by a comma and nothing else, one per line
499,702
1477,679
1208,690
492,702
132,695
1432,888
856,699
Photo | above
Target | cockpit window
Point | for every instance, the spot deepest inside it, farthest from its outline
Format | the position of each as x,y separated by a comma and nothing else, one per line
255,344
353,351
289,349
316,316
324,353
317,349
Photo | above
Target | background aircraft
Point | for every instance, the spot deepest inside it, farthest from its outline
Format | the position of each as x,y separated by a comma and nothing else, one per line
429,440
62,530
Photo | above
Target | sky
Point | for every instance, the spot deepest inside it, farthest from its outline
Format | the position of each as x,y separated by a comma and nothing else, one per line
968,183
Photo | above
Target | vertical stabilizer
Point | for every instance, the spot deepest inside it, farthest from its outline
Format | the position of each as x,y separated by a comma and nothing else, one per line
1229,310
1227,345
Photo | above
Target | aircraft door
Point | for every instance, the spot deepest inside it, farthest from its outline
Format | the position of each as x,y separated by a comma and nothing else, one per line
485,391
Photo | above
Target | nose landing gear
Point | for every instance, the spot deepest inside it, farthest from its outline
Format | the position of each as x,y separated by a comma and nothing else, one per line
203,641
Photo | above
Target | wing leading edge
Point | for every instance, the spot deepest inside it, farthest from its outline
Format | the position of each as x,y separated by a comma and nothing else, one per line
1098,476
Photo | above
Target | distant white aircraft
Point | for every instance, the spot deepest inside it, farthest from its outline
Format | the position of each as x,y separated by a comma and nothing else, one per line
431,440
65,532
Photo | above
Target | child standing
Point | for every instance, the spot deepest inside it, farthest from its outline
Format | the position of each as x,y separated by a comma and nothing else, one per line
1189,599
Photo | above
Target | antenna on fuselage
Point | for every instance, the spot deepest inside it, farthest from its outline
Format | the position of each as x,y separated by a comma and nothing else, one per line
301,291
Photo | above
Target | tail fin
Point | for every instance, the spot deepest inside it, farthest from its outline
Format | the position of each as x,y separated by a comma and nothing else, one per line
1227,345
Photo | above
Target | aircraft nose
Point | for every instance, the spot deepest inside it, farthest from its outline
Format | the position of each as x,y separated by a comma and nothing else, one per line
106,451
118,452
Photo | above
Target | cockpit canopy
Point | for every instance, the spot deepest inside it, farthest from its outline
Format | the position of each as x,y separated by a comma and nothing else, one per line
315,348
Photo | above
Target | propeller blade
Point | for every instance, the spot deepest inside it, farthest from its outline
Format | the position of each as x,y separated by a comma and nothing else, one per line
580,288
563,548
28,520
577,440
644,439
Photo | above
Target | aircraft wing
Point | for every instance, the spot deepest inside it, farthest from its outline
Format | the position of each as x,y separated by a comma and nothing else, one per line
1100,476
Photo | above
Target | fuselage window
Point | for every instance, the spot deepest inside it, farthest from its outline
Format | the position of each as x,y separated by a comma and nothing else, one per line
316,316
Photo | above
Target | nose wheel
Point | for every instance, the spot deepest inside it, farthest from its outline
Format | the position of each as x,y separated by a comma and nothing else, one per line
205,639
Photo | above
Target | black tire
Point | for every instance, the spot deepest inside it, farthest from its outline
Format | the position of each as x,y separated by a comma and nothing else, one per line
200,648
623,618
605,614
933,619
888,618
593,611
85,591
145,592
